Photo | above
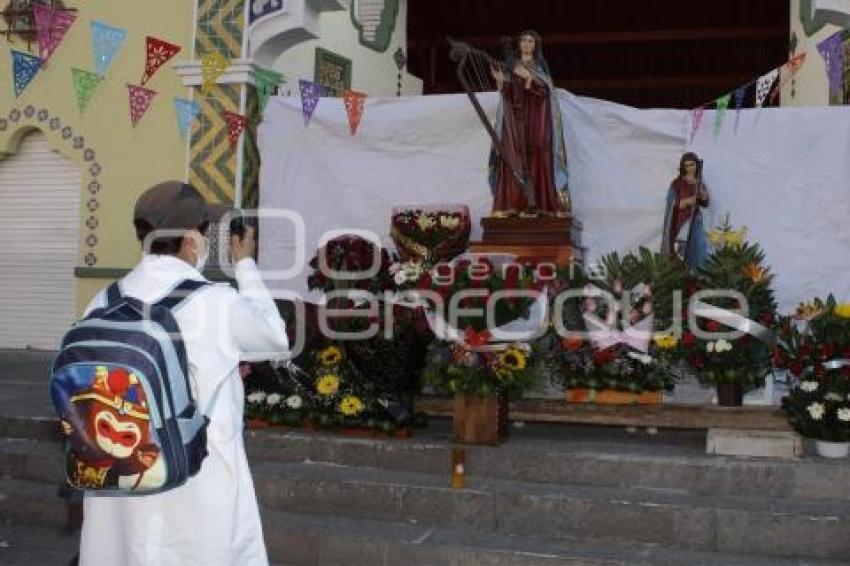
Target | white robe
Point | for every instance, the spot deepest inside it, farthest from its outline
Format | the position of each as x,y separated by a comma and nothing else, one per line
213,519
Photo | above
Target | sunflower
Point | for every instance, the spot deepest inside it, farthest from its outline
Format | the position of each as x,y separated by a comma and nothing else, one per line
665,341
330,356
350,406
513,359
842,310
327,385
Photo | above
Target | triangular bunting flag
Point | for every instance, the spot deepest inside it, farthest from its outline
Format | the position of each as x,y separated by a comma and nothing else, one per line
25,67
140,101
236,124
266,81
85,83
310,94
213,65
763,86
740,93
106,41
187,111
159,52
354,102
796,62
696,121
792,67
51,25
721,104
832,51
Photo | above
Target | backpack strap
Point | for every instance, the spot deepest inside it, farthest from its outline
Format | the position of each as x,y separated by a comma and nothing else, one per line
181,293
113,293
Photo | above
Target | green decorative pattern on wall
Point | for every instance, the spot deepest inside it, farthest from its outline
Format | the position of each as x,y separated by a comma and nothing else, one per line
374,36
219,27
251,157
212,168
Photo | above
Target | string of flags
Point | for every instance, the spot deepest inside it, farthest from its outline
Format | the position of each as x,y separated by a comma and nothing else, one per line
765,86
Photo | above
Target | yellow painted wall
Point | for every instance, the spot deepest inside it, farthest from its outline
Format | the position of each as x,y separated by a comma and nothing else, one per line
131,159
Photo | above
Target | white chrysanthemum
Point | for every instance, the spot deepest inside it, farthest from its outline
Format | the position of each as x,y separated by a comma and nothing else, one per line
425,221
413,269
257,397
809,386
723,345
273,399
642,358
832,396
710,346
294,402
844,415
395,268
449,222
816,410
400,278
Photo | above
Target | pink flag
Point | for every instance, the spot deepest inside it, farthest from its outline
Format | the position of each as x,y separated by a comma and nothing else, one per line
140,101
51,24
696,121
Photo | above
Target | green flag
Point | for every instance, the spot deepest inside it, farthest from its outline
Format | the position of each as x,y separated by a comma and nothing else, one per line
85,83
722,104
266,81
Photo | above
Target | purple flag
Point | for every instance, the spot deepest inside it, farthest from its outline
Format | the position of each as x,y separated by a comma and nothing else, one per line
310,94
832,51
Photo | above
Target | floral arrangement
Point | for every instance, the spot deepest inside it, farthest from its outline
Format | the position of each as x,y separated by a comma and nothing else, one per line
430,235
734,265
814,347
327,393
470,367
615,340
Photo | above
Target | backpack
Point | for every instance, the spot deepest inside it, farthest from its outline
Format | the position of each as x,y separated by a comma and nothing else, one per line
120,386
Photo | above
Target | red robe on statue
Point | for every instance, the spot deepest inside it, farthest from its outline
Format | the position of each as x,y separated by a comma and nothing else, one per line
527,140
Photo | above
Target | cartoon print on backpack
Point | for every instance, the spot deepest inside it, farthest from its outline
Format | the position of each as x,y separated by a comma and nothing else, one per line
111,444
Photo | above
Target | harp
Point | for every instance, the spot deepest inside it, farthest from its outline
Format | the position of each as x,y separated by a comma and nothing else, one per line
476,71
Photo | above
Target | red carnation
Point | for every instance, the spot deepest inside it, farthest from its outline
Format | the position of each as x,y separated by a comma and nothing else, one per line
688,339
712,326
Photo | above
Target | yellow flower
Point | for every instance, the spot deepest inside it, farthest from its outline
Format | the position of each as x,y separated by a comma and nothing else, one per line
843,310
736,238
513,359
755,272
665,341
715,237
330,356
350,406
327,385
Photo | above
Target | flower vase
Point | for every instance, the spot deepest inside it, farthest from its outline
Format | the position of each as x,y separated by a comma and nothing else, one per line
480,420
832,450
730,394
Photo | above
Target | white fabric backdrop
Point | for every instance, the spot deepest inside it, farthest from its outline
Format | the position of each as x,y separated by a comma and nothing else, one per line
782,172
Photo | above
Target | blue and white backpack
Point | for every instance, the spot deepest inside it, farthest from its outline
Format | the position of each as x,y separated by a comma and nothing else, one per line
121,389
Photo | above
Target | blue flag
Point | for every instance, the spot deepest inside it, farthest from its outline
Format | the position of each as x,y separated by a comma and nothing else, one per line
25,67
106,41
187,111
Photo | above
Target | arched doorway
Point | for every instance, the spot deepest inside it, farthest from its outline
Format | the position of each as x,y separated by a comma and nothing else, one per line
39,234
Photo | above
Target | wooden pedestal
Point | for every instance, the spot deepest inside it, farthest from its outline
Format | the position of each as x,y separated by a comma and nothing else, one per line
543,239
480,420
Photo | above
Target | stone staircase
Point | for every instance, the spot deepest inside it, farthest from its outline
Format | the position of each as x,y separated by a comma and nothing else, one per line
550,495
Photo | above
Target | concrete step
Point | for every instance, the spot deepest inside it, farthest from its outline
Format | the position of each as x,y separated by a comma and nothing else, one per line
297,539
595,456
31,460
32,503
677,518
42,546
32,428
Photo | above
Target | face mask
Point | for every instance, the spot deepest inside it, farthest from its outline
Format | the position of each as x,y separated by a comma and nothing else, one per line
201,262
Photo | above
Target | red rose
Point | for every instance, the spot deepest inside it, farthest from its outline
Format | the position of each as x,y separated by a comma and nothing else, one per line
796,368
712,326
805,349
602,357
688,339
